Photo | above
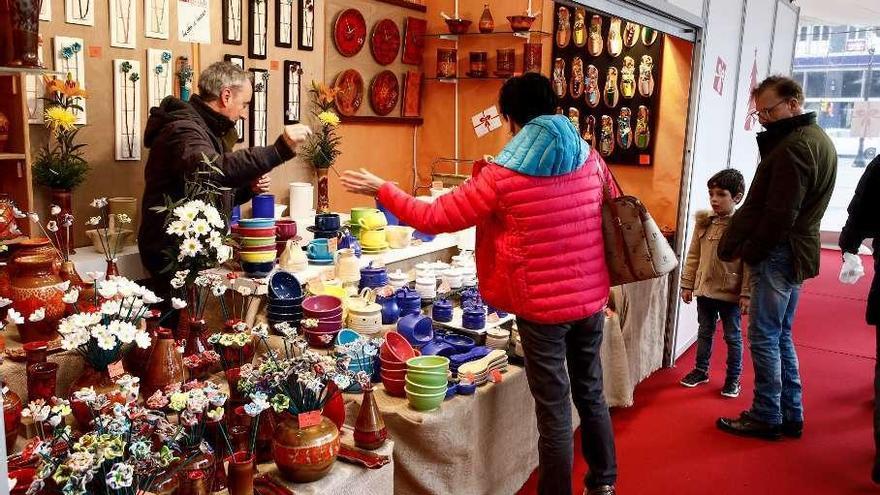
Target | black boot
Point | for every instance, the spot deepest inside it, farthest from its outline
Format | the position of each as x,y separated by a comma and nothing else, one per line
748,426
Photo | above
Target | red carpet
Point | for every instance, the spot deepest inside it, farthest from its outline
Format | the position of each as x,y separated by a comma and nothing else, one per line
667,443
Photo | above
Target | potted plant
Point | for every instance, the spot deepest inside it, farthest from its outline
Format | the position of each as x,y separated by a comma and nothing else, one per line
322,148
60,164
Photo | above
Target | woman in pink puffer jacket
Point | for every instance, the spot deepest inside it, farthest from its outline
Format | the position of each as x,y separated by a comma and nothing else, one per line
538,211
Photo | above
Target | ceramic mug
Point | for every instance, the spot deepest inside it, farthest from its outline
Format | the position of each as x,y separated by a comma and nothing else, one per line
373,238
373,220
327,222
399,236
263,206
319,249
361,212
286,229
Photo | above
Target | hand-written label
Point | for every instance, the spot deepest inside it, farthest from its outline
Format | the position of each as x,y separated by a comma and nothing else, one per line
116,370
496,376
332,244
311,418
95,51
274,65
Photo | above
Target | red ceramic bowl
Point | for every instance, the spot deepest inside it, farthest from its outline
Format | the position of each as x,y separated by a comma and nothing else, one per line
392,363
322,306
393,374
320,318
328,327
254,231
320,340
519,23
458,26
396,388
286,229
398,345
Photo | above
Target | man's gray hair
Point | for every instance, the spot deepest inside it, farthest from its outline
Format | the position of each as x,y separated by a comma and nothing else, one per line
221,75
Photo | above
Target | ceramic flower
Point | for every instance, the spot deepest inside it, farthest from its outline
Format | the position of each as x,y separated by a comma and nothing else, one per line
13,317
38,315
95,275
99,202
93,221
5,302
178,303
328,118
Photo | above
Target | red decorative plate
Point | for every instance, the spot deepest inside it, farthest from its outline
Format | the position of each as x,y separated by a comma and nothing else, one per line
351,92
413,40
350,32
384,92
385,41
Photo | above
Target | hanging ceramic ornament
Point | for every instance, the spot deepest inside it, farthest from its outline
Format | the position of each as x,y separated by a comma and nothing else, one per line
615,42
559,85
593,92
611,93
574,115
643,133
563,27
579,34
628,77
630,34
606,136
576,84
589,134
624,129
594,46
646,76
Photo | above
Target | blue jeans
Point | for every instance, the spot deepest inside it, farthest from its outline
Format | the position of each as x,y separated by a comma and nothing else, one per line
774,298
708,312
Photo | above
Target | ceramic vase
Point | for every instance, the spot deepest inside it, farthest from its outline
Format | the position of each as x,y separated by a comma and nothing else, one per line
25,21
4,132
306,454
532,57
193,482
334,408
236,398
63,199
34,286
241,474
265,435
164,366
369,429
487,23
12,407
42,379
214,437
196,344
323,190
112,269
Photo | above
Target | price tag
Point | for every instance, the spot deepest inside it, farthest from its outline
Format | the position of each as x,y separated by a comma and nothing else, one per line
496,376
116,370
644,159
95,51
311,418
274,64
332,244
469,377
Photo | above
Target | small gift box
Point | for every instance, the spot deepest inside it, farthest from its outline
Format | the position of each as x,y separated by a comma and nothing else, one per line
486,121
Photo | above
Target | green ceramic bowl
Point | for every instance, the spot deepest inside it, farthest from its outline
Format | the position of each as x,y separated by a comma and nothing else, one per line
428,363
257,241
424,389
426,379
424,402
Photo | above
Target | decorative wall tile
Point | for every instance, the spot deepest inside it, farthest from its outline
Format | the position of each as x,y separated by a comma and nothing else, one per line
127,108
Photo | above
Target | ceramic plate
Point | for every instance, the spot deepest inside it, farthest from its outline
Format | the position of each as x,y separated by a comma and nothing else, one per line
385,41
315,261
413,40
351,92
350,32
384,92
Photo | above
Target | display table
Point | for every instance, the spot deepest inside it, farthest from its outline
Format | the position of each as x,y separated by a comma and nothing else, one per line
486,443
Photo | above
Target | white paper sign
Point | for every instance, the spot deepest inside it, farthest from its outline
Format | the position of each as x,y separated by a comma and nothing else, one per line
486,121
865,119
194,21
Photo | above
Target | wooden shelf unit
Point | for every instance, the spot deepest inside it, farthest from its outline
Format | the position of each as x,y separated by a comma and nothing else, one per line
15,161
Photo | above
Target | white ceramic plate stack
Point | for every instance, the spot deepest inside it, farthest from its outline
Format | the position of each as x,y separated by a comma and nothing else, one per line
426,287
453,278
497,338
482,368
398,279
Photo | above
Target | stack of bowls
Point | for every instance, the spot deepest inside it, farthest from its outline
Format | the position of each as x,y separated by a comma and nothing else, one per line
453,278
426,381
417,329
497,338
398,279
285,299
393,354
373,277
372,232
442,310
258,249
409,301
328,311
326,226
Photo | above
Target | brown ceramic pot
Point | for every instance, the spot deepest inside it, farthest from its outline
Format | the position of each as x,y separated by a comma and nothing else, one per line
307,454
164,366
12,407
35,286
35,246
369,429
241,474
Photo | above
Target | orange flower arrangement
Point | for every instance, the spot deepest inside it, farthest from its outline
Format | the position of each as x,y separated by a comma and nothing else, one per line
69,88
63,165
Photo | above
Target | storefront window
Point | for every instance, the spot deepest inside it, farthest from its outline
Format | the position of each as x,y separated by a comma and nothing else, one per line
835,90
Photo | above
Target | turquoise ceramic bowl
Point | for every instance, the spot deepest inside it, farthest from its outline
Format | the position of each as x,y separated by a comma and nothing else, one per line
256,222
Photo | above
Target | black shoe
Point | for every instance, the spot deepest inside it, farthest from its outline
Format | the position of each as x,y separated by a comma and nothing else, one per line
731,388
600,490
748,426
792,429
694,378
875,473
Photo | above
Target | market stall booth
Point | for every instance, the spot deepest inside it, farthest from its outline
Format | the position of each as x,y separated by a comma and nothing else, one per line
387,361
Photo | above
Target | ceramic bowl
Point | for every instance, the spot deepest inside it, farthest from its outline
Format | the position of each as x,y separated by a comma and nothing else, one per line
417,329
337,315
258,241
394,374
259,257
425,389
347,336
428,363
451,390
521,22
296,301
254,231
467,389
399,348
256,222
426,379
258,249
262,268
461,343
396,388
323,305
458,26
285,229
438,348
285,286
328,327
392,365
425,402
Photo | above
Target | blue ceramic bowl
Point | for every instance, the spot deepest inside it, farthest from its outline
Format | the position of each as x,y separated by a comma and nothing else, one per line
438,348
257,270
256,222
284,285
285,303
461,343
466,389
451,390
347,336
417,329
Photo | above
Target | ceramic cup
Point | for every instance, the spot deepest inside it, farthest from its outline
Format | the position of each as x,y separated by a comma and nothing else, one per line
263,206
373,238
286,229
319,249
399,236
327,221
302,199
373,220
360,212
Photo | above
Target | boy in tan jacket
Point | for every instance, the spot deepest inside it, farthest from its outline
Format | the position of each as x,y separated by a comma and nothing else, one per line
721,288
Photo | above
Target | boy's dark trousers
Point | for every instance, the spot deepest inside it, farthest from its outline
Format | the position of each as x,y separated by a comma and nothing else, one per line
709,311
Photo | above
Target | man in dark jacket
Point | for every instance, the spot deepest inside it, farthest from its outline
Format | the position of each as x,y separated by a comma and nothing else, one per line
179,133
863,223
776,232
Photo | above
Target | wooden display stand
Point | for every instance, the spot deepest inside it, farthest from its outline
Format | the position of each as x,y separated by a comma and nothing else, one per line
15,160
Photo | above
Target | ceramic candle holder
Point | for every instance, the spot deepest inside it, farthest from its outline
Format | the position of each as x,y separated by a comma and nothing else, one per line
447,63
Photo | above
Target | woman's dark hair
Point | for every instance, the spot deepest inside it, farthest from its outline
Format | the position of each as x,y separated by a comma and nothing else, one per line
729,179
525,97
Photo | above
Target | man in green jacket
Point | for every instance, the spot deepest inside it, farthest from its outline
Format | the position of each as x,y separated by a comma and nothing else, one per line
776,232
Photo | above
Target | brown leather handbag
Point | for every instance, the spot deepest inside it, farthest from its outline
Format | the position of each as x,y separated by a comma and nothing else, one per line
635,248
